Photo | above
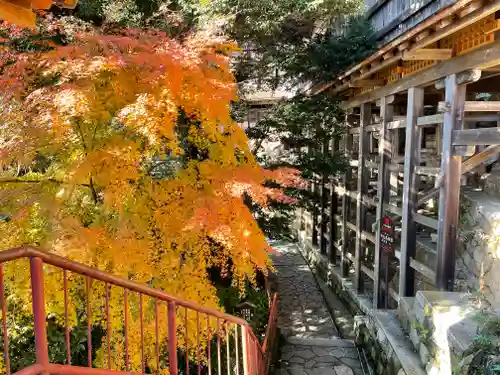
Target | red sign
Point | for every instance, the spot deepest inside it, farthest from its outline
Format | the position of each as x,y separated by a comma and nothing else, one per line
387,236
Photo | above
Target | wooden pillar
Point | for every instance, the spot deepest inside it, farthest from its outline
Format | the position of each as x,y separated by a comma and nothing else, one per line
332,250
366,115
449,193
323,205
412,155
314,216
344,265
395,154
383,189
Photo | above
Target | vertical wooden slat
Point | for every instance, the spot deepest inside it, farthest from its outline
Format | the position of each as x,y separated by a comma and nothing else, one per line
314,216
344,266
395,154
449,193
332,251
412,155
383,187
366,114
322,217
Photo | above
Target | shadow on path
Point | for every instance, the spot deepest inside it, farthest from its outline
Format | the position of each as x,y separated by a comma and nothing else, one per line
312,344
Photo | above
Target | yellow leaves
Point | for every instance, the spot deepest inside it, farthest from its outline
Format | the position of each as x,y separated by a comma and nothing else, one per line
88,120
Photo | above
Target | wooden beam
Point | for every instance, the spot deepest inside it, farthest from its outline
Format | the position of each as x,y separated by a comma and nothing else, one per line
453,27
375,67
481,58
473,137
425,220
444,22
445,29
428,54
408,231
396,124
367,83
473,106
423,270
467,166
372,128
411,33
479,158
449,194
430,120
403,46
388,100
366,114
383,189
467,76
475,5
482,106
424,34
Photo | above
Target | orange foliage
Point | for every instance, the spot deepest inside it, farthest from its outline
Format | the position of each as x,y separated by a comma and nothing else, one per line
20,12
88,123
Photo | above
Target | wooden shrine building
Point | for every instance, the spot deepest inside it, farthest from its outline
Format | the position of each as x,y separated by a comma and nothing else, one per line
423,117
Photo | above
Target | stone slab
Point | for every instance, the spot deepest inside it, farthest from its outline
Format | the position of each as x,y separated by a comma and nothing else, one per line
410,361
451,314
312,343
322,342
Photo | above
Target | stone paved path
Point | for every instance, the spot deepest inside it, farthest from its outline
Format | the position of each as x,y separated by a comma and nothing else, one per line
312,345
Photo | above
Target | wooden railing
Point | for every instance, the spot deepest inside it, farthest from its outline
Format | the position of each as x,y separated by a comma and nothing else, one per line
246,353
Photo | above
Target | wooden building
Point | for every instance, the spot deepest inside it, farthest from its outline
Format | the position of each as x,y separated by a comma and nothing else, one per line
422,120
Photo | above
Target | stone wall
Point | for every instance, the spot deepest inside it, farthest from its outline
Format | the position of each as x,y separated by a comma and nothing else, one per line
442,326
379,333
478,253
372,338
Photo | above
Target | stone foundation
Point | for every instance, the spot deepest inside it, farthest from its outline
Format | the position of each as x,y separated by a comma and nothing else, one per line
377,332
441,325
478,253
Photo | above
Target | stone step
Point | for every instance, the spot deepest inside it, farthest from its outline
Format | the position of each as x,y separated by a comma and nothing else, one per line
391,330
440,323
301,356
331,342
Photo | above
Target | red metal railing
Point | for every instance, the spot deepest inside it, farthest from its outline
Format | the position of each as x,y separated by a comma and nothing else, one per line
243,351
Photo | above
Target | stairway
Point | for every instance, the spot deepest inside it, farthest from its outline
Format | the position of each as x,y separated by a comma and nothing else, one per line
312,345
233,347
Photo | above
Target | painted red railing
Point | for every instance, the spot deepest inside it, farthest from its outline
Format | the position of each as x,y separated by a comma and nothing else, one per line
247,354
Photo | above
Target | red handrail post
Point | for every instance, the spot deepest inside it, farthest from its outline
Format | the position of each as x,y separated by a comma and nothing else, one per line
246,352
172,338
37,289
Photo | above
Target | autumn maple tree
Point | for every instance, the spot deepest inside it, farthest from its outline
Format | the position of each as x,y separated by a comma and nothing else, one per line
117,150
